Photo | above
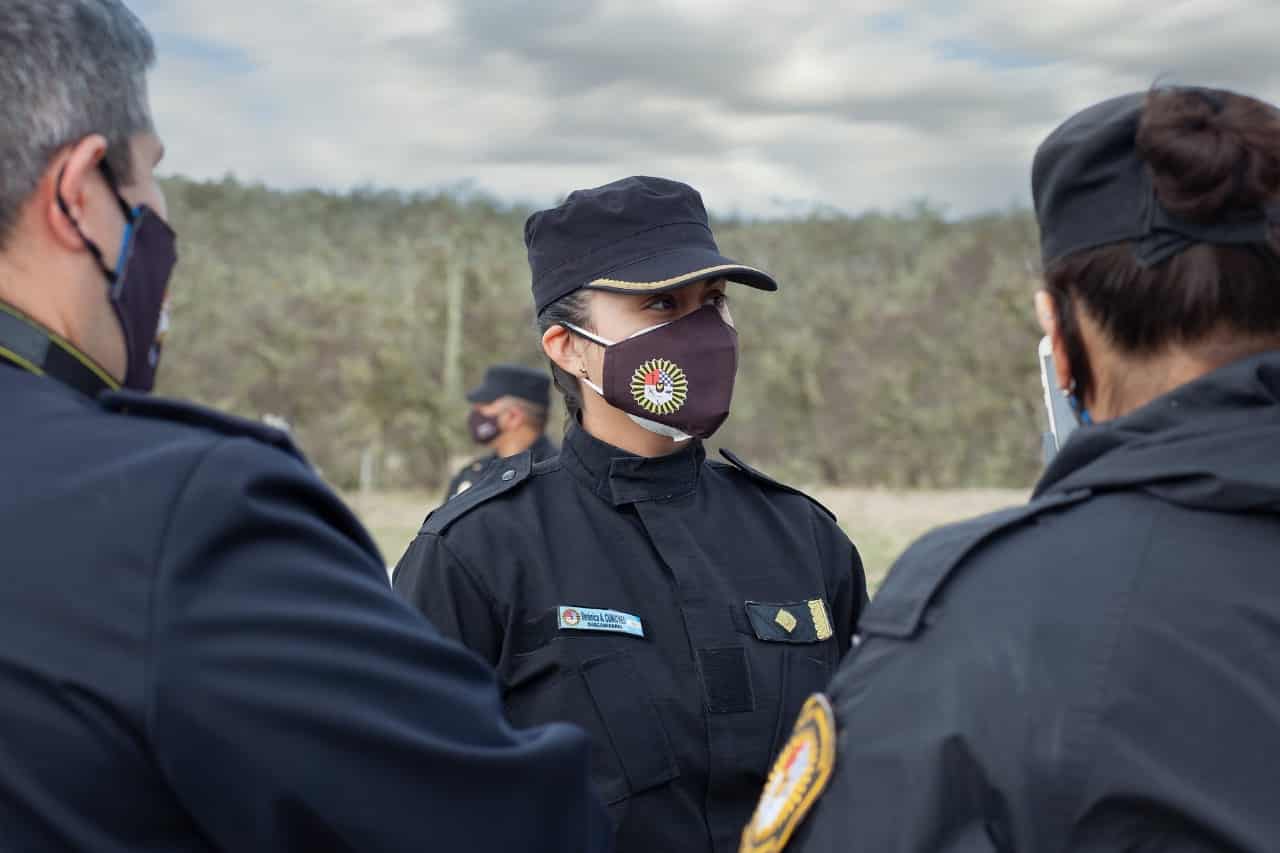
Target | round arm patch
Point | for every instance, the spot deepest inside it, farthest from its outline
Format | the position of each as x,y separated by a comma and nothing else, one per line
799,776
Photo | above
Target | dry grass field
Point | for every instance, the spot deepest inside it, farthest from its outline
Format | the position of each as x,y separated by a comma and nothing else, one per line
881,522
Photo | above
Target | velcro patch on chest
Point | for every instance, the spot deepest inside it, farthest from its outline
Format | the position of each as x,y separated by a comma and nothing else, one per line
799,776
790,621
595,619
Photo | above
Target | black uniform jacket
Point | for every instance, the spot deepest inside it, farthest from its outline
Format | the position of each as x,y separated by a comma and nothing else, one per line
475,470
1098,670
745,591
200,650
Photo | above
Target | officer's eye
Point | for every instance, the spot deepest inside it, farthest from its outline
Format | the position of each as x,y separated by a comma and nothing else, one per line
664,302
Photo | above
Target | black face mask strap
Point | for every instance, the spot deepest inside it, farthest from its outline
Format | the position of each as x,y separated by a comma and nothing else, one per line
31,348
66,211
110,175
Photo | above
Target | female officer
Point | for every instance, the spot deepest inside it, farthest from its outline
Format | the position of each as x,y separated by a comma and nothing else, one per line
678,609
1097,670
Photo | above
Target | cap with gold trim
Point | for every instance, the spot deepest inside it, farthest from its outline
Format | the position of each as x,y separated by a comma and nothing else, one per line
636,235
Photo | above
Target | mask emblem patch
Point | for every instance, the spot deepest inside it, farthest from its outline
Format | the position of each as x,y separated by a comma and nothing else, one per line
660,387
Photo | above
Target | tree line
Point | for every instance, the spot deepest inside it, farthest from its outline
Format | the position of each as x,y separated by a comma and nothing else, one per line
900,350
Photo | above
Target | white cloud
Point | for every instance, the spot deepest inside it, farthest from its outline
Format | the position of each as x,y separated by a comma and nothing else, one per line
848,103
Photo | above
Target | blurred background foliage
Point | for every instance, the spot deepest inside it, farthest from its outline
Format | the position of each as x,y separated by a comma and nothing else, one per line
899,352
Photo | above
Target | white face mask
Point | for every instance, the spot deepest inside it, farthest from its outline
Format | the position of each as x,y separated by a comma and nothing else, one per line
652,426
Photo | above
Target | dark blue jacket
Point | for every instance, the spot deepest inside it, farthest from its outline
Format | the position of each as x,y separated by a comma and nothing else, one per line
744,594
200,650
1096,671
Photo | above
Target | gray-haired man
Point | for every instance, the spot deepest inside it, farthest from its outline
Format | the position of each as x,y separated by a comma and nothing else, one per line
199,648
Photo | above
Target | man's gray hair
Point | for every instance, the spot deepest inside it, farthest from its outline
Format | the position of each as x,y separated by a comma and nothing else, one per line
68,69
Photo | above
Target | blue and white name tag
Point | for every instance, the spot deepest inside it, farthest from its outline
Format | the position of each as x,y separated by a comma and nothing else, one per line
591,619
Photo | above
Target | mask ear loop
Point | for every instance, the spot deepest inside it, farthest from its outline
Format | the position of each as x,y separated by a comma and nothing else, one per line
588,335
1077,405
582,369
88,244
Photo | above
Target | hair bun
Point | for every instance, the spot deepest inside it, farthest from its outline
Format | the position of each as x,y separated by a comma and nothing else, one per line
1212,153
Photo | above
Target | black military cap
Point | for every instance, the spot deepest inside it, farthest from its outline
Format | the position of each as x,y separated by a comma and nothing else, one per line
513,380
1092,189
636,235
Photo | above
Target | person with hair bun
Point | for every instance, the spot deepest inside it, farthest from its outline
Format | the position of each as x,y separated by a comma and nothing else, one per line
1097,669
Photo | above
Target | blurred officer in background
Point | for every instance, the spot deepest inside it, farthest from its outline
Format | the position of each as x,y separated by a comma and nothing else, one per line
679,609
1096,670
509,416
199,649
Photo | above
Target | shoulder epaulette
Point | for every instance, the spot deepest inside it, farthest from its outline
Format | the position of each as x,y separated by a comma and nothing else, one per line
191,414
761,477
502,476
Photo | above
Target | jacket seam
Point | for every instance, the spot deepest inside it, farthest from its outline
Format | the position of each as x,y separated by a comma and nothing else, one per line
1077,777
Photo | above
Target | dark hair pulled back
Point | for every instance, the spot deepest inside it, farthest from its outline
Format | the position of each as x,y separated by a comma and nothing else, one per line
1213,156
573,308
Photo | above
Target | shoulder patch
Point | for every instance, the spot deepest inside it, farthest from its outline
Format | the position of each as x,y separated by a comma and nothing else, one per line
501,477
761,477
179,411
800,774
898,609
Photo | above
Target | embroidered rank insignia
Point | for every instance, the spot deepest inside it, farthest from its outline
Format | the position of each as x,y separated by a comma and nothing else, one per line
804,621
821,622
592,619
800,774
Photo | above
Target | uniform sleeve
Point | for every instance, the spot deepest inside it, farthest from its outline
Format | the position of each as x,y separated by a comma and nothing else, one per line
450,596
846,579
297,704
907,777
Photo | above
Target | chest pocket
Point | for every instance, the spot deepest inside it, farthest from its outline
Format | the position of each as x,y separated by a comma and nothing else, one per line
794,653
594,682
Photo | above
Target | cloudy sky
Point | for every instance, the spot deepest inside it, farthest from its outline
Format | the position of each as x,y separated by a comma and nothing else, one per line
768,107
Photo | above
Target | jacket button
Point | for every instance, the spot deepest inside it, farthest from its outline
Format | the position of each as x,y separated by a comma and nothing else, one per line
508,476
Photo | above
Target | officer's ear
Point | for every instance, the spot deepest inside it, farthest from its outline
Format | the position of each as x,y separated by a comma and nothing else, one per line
564,349
64,192
512,417
1047,314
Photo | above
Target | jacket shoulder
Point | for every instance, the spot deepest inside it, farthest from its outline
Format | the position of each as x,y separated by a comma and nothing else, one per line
220,424
768,482
499,478
898,609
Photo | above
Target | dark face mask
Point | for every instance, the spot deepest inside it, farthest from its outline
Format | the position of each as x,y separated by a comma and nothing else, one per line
483,428
675,379
139,284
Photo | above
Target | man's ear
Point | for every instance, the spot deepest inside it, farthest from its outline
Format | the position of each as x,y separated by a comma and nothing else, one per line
68,178
1047,314
513,417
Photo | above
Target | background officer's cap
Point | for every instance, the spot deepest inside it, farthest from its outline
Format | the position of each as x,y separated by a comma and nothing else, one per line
636,235
513,380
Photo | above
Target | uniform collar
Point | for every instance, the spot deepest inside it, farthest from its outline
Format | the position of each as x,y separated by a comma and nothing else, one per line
543,449
620,478
27,345
1207,444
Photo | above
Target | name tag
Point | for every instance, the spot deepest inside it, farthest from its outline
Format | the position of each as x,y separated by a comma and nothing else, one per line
592,619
